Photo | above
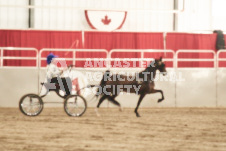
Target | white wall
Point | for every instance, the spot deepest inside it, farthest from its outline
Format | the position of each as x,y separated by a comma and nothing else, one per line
13,17
73,17
16,82
196,16
218,14
200,87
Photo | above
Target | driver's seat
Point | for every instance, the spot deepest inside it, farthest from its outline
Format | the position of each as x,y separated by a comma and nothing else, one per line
50,86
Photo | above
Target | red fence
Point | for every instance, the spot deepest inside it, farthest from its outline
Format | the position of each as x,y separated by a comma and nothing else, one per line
108,40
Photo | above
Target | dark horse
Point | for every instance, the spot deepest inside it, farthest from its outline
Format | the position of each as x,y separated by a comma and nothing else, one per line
143,84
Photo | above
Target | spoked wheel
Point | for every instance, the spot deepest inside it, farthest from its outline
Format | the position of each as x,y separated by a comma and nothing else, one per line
75,105
31,104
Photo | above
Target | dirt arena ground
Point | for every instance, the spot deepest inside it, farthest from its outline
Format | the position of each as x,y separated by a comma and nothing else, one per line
168,129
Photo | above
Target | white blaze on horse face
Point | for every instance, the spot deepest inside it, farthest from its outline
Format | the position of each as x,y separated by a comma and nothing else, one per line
136,88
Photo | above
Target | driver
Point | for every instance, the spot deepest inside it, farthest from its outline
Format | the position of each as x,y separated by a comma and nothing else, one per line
53,75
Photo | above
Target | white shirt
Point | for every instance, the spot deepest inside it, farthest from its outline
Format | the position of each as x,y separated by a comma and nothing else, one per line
52,71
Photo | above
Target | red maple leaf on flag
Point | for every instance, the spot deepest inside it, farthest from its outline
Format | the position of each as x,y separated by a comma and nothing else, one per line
106,21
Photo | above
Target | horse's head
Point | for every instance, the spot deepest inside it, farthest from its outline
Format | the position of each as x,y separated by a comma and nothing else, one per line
157,64
160,65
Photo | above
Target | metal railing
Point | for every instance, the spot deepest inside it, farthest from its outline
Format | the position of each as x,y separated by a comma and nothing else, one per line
177,59
141,58
74,58
3,49
218,56
108,56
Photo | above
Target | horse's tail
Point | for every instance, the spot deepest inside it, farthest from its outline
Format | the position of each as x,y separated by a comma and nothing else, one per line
103,83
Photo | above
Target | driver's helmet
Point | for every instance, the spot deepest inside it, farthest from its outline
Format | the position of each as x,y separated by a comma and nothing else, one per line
50,57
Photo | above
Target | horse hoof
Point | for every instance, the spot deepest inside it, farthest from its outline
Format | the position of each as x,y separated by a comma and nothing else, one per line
160,100
138,115
120,108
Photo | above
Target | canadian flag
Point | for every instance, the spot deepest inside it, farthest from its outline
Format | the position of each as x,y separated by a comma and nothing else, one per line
105,20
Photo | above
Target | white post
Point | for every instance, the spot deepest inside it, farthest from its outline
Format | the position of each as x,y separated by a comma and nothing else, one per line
1,56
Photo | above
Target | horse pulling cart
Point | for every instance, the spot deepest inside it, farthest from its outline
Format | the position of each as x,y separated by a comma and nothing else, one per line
75,105
33,104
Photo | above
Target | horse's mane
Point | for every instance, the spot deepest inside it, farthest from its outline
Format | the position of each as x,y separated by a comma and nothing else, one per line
147,71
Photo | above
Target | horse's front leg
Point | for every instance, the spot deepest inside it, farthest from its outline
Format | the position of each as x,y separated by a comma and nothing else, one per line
138,104
160,91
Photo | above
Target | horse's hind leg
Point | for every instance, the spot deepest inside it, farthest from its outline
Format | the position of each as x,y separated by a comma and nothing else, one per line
99,103
160,91
112,99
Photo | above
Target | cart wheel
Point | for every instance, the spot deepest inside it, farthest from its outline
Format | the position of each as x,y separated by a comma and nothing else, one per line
75,105
31,105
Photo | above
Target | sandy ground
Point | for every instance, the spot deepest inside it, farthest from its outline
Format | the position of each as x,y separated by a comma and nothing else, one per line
168,129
